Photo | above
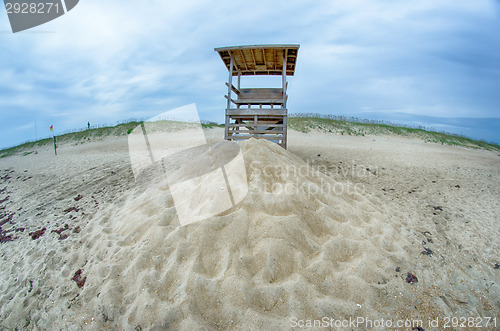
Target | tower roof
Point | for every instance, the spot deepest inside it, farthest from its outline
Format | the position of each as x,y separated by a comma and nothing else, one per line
260,59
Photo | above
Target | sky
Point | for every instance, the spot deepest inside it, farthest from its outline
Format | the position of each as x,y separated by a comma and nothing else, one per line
432,63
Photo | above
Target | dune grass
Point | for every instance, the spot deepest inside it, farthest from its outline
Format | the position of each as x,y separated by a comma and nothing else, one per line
77,136
299,122
359,127
82,136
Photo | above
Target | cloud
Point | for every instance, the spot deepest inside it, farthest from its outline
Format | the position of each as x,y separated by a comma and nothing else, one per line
113,60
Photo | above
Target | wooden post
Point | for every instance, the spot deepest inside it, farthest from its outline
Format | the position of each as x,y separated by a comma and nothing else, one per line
255,121
229,88
283,80
284,131
230,81
284,100
239,85
55,145
226,130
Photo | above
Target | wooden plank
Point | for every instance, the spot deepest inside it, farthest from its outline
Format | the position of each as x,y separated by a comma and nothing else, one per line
284,143
283,79
259,124
263,120
285,87
228,98
230,82
258,137
246,59
243,59
263,73
256,131
270,46
253,57
260,96
260,93
249,117
252,112
234,89
275,59
226,128
258,102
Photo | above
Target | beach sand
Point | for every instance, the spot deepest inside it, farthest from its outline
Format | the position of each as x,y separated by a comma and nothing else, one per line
336,227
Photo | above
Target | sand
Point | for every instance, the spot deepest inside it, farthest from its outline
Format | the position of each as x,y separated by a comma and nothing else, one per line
330,228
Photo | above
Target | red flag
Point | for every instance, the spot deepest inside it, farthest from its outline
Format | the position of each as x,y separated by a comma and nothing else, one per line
51,128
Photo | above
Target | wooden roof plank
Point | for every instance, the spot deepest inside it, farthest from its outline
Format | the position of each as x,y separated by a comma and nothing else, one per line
270,46
275,56
264,58
253,57
243,59
260,59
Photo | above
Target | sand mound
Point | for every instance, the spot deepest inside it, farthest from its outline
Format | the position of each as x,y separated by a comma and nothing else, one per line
301,245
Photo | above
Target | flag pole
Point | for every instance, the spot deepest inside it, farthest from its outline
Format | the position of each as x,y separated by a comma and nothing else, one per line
55,140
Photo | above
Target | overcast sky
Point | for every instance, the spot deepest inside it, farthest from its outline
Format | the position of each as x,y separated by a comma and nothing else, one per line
429,62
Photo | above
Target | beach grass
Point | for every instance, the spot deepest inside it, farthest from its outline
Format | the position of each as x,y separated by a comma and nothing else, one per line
359,127
76,136
299,122
85,135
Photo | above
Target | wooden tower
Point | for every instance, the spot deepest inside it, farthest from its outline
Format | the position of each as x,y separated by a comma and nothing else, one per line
257,112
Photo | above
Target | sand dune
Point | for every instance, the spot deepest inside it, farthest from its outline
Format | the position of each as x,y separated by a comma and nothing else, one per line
330,228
